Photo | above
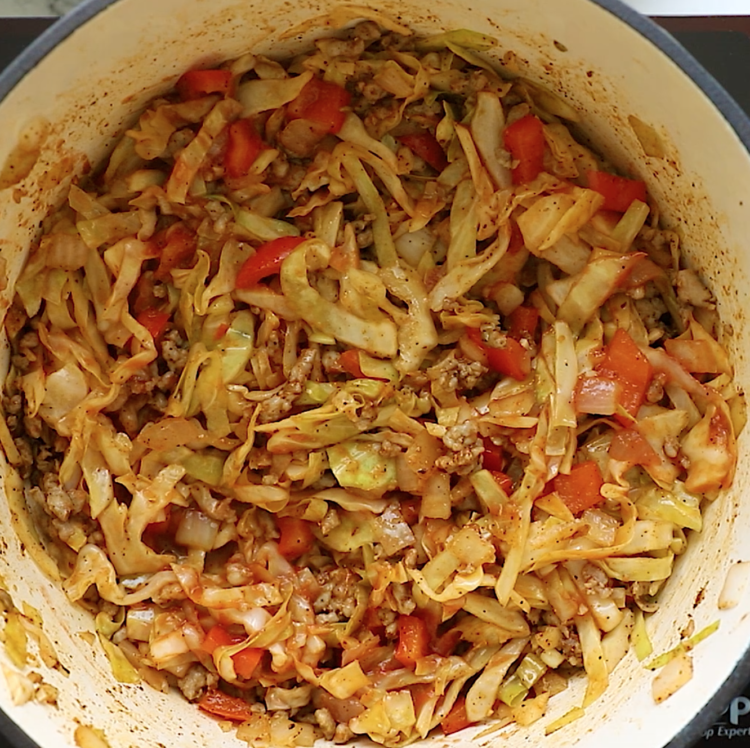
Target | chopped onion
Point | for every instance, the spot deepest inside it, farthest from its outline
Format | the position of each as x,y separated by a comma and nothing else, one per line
411,246
89,737
391,531
66,388
196,530
436,499
344,682
20,687
597,395
168,646
139,623
168,433
672,677
735,583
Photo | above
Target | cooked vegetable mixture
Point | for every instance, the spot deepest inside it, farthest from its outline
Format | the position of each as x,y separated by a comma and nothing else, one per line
355,396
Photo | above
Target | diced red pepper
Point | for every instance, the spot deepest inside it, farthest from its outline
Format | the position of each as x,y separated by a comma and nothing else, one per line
516,239
220,636
421,693
643,271
349,362
628,445
176,246
143,295
456,719
581,488
321,102
523,321
493,457
246,661
475,335
296,537
425,145
197,83
619,192
267,260
154,321
503,480
223,705
244,145
410,509
525,141
413,640
446,643
624,362
221,330
512,360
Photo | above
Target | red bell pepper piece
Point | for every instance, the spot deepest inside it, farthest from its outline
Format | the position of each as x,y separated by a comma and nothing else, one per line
525,141
413,640
628,445
197,83
618,192
220,636
244,145
425,145
456,719
410,509
421,693
643,271
446,643
624,362
349,362
143,295
523,321
267,260
245,661
503,480
581,489
321,102
154,321
512,360
223,705
221,331
516,239
295,537
176,246
493,457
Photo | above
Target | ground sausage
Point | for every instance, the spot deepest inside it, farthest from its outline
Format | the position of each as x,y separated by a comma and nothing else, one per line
280,404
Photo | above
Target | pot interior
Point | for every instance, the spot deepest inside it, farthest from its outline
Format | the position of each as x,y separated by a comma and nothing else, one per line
88,89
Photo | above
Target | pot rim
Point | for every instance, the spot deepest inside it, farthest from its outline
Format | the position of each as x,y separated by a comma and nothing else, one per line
13,734
738,120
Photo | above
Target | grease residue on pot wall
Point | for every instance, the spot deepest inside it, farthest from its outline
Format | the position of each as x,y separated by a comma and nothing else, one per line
23,157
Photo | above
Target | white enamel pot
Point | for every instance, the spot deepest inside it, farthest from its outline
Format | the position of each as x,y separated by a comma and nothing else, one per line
89,75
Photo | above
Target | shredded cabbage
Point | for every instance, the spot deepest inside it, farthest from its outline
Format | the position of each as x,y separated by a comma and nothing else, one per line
313,428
